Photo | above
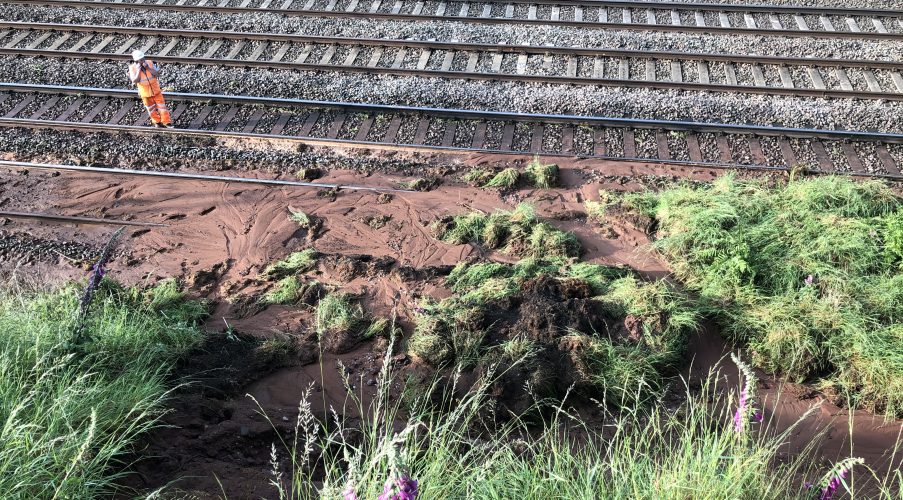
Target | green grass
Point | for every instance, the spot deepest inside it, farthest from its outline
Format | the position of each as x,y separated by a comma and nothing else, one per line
304,220
296,262
689,450
536,174
68,419
448,332
518,232
542,175
477,176
748,250
286,291
595,211
338,312
506,179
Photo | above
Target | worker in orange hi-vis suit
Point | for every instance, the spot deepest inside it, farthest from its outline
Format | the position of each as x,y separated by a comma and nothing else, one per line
143,73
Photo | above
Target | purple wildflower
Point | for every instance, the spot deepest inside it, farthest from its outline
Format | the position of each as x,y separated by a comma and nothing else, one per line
348,493
809,280
402,488
745,412
834,479
741,410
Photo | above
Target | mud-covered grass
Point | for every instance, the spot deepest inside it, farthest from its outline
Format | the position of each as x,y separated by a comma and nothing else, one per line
341,322
806,274
519,232
296,262
536,174
595,328
70,412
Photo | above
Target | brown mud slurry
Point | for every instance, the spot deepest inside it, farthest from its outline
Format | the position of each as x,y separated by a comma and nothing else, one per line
220,236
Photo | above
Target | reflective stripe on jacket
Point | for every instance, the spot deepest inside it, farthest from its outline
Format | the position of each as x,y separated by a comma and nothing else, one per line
144,75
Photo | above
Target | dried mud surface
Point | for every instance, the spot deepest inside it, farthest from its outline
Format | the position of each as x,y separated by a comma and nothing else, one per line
219,236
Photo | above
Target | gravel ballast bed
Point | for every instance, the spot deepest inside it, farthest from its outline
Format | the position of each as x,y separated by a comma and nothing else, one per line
463,32
499,96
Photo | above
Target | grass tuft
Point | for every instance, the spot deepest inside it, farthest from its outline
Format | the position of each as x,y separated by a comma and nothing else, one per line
541,175
519,232
806,274
506,179
304,220
286,291
338,312
296,262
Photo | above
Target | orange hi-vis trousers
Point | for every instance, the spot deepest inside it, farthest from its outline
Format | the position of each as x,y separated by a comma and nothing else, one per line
156,108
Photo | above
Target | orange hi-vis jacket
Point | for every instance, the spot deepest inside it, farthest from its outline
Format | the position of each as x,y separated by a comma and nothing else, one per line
144,75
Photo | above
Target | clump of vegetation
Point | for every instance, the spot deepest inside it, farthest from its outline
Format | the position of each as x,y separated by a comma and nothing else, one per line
542,175
303,219
341,322
70,416
478,176
519,232
559,310
506,179
421,183
286,291
536,174
296,262
807,275
595,210
376,221
339,312
309,173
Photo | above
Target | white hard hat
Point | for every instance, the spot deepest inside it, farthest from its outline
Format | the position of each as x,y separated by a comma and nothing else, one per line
137,55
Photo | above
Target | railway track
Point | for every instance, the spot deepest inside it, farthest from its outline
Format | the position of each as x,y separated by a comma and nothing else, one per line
450,130
195,177
498,62
595,14
76,219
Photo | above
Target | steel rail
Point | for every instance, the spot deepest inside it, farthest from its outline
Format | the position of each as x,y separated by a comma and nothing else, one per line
480,20
196,177
654,124
438,45
79,219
